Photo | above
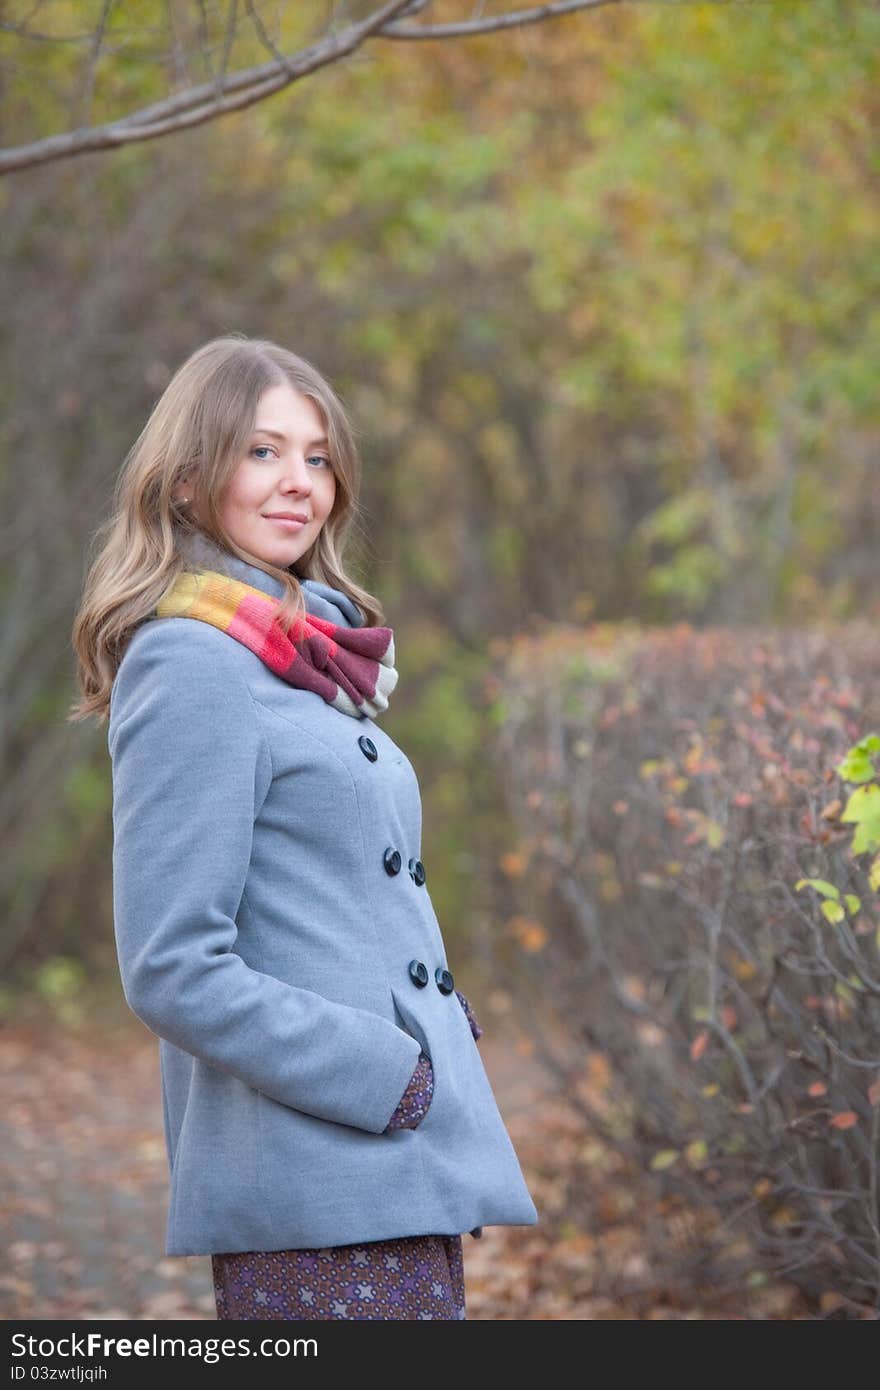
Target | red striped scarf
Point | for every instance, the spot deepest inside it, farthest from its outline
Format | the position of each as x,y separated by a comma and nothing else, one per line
352,668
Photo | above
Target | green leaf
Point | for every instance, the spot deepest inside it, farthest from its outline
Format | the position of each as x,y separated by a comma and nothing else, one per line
664,1158
714,835
821,885
856,765
833,911
863,810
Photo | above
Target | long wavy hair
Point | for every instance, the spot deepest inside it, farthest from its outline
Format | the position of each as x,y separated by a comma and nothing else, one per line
200,428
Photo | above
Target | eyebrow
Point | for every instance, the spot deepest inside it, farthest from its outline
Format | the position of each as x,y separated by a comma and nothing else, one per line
322,443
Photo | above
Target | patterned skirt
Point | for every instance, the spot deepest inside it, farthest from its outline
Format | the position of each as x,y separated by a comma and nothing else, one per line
410,1277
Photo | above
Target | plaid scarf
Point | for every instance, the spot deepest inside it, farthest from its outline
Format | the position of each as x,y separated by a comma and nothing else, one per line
352,668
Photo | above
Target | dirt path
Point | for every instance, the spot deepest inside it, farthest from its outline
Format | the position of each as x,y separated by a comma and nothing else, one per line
86,1187
86,1190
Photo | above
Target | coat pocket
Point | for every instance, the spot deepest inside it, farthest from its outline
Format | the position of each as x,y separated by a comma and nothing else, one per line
407,1020
439,1025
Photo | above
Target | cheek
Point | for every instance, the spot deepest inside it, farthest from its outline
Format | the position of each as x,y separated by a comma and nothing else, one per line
246,490
328,495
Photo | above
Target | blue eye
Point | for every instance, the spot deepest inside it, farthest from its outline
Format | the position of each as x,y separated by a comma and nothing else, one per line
257,447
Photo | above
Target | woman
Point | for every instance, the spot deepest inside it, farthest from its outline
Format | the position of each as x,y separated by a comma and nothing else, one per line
330,1129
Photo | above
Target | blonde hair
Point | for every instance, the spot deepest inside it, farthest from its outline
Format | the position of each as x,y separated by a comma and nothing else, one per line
200,428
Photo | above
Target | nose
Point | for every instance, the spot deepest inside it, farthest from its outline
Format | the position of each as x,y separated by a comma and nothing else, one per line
296,477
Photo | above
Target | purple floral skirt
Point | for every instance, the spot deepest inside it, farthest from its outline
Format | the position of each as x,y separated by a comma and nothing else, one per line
410,1277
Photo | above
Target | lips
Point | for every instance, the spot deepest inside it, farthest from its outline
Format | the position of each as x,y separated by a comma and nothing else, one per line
286,516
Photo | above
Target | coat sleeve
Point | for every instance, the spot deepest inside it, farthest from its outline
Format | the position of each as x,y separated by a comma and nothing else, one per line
190,768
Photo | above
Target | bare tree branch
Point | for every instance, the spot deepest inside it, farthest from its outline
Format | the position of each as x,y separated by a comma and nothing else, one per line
469,27
94,55
203,103
224,94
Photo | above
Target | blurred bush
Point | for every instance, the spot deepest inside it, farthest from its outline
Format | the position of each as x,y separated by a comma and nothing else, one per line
712,1013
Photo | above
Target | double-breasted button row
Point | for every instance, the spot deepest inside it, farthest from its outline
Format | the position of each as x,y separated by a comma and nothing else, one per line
392,861
418,973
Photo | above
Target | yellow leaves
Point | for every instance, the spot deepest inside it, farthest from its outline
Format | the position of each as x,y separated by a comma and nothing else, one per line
531,935
711,1089
650,767
663,1159
696,1153
762,1188
703,828
671,869
697,760
831,908
610,890
744,969
783,1216
829,1301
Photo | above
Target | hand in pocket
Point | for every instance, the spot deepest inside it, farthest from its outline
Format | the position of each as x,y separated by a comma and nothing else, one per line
414,1103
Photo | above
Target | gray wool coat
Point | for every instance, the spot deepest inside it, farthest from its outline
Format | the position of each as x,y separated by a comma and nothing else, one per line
262,938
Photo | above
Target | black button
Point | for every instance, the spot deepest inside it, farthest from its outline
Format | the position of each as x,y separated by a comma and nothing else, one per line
445,982
418,973
392,860
416,871
368,748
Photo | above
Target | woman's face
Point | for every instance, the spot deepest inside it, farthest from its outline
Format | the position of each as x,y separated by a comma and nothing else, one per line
286,471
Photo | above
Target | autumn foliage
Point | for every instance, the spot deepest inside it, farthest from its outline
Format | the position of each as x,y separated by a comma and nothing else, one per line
692,896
